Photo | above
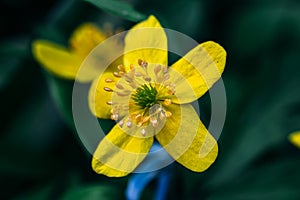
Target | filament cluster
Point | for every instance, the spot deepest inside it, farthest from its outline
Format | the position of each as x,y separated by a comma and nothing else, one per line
140,97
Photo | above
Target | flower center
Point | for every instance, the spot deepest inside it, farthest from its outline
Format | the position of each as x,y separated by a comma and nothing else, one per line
141,97
145,96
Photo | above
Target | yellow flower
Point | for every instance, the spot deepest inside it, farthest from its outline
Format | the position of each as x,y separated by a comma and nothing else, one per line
149,100
295,138
65,62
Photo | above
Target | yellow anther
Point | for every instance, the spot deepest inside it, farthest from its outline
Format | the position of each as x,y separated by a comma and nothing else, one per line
129,124
122,94
168,114
139,124
108,80
114,116
121,73
138,74
162,116
121,68
142,63
154,123
109,103
145,119
107,89
118,85
166,76
167,102
171,92
133,85
147,78
132,116
121,123
165,70
116,74
157,69
143,131
138,117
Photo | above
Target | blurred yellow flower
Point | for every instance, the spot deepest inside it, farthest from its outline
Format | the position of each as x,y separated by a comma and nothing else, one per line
149,100
66,62
295,138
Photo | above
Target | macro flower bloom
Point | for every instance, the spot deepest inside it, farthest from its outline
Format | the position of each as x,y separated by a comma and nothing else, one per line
150,101
295,138
66,62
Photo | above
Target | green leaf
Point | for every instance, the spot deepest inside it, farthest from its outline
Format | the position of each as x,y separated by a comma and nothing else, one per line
260,124
41,192
91,192
276,180
118,8
61,91
12,54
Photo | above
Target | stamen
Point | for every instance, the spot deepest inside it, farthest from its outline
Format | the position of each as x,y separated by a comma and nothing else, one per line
139,124
168,114
121,73
121,123
138,117
167,84
147,78
128,79
121,68
167,102
114,116
162,116
107,89
123,94
145,119
116,74
118,85
165,70
138,74
109,103
166,76
144,88
129,124
143,131
160,78
108,80
142,63
157,69
154,123
133,85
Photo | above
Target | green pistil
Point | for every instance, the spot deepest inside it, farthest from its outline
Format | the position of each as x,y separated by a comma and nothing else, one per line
145,96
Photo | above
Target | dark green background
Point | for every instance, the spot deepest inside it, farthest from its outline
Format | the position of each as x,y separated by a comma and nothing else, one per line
41,156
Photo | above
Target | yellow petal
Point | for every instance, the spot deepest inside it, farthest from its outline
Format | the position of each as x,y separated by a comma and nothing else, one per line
85,38
118,154
147,41
199,69
295,138
187,140
99,97
56,59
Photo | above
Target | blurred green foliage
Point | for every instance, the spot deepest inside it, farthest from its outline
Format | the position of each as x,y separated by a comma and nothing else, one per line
41,157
